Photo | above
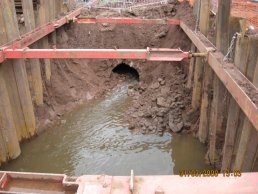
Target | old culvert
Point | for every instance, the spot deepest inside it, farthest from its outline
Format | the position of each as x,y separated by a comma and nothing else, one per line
126,69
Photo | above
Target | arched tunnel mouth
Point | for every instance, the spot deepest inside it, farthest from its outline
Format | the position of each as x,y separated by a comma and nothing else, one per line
127,70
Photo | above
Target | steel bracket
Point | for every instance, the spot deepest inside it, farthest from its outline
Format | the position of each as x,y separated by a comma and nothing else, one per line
166,54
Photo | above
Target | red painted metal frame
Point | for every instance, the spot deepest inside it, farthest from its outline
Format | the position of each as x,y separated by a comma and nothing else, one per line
173,184
151,54
35,35
82,20
40,32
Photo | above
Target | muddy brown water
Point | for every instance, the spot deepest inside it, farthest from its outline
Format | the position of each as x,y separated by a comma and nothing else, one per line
96,140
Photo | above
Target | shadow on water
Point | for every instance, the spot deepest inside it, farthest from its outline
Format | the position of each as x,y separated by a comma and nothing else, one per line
96,140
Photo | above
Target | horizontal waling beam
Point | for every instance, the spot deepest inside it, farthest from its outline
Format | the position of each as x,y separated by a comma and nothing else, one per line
151,54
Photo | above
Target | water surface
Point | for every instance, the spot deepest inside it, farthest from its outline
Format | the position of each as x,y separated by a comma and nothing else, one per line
95,140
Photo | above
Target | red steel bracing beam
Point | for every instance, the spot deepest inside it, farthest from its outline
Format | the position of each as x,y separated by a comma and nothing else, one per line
82,20
151,54
35,35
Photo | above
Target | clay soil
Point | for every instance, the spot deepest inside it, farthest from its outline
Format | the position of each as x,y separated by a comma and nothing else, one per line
160,99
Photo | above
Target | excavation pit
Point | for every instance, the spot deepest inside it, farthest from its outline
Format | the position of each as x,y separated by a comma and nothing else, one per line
130,126
69,86
117,124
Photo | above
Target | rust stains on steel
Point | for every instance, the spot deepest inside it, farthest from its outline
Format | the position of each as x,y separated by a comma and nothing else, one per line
83,20
242,90
151,54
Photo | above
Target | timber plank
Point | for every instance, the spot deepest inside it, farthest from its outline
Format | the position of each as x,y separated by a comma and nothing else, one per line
34,64
220,92
206,96
234,115
18,75
246,154
42,18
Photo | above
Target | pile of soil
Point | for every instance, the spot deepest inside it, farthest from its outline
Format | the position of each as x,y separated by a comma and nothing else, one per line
160,105
160,99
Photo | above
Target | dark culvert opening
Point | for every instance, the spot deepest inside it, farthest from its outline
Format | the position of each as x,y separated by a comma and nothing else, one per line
125,69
